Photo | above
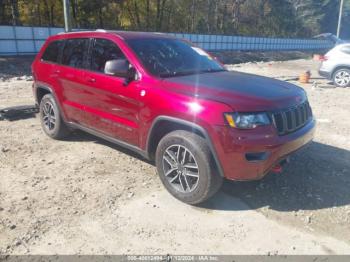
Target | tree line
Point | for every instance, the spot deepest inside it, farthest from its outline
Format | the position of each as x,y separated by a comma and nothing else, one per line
275,18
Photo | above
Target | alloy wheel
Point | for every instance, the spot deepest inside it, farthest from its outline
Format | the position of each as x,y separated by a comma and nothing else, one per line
49,117
180,168
342,78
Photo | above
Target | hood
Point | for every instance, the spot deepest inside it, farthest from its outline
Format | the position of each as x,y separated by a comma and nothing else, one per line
241,91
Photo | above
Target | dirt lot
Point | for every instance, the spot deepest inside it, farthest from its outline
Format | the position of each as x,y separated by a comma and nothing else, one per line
87,196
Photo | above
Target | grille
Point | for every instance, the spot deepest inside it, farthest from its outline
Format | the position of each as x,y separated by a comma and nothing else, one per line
291,119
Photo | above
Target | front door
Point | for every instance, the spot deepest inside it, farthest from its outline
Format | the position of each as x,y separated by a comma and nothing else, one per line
110,106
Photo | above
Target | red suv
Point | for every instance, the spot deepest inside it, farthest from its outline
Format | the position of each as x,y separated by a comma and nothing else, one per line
170,102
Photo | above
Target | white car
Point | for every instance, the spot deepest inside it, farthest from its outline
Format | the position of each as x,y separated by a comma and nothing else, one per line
336,65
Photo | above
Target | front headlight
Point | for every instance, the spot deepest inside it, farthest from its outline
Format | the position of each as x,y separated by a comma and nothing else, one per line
247,120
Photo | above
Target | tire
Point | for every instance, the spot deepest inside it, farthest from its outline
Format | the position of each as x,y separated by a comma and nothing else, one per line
191,179
341,77
50,118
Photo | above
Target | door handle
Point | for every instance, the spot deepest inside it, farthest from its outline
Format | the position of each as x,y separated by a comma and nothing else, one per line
55,73
91,80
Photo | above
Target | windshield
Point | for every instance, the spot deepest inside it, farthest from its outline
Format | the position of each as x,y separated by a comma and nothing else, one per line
172,57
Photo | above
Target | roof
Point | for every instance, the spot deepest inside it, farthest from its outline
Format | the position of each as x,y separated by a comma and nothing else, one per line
126,34
133,34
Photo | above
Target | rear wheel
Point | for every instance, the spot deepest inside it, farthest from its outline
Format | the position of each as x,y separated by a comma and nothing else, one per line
341,77
50,118
185,167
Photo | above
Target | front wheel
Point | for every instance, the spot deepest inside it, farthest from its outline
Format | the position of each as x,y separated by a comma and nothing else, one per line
341,77
185,167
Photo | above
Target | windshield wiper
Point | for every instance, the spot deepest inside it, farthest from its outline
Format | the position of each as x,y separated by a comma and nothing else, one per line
210,70
174,74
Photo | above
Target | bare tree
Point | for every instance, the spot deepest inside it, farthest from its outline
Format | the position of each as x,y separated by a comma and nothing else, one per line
14,12
147,14
193,15
74,6
49,12
2,11
38,12
160,14
137,15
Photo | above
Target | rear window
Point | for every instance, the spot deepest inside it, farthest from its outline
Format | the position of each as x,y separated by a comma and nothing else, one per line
75,51
52,52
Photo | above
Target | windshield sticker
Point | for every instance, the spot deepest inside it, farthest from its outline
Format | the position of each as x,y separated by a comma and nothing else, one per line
200,51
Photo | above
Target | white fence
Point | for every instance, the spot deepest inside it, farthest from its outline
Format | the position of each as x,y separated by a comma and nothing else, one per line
21,40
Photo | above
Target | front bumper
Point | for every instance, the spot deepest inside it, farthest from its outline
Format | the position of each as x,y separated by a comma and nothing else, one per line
267,148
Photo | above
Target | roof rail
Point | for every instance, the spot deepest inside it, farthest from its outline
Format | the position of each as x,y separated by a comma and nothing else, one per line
101,30
61,33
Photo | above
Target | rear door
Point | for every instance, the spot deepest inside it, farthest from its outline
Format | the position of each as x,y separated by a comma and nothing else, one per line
71,76
111,107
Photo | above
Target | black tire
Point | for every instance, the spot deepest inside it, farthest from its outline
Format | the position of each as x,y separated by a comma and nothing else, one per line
198,154
341,77
50,118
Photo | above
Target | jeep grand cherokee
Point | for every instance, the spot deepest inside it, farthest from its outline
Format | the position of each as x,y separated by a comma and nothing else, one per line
171,102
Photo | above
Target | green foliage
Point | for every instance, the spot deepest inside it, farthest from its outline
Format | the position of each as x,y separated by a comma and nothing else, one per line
283,18
319,16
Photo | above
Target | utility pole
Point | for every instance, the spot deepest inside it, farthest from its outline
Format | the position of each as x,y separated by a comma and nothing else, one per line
340,17
67,24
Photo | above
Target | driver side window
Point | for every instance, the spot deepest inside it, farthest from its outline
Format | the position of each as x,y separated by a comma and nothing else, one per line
104,50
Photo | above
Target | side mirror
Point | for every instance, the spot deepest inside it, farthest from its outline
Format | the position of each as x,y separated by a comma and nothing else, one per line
117,67
121,68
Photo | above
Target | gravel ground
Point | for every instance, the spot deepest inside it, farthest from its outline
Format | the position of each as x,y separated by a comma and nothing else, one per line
87,196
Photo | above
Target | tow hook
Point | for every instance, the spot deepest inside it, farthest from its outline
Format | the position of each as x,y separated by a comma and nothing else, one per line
277,169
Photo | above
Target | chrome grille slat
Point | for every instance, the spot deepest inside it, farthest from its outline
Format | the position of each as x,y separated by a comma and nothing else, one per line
304,112
284,119
291,119
297,117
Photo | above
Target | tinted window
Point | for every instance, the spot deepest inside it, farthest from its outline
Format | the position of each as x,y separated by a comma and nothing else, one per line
74,52
103,51
52,52
172,57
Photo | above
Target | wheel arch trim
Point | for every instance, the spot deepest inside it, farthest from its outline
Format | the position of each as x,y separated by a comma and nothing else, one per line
42,85
189,124
338,67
